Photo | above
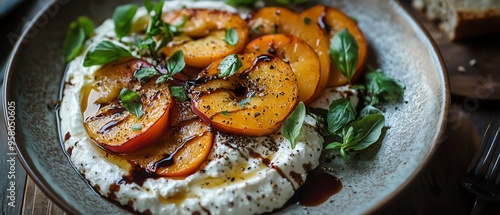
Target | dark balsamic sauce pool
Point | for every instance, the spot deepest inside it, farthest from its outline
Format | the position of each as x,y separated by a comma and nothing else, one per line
317,189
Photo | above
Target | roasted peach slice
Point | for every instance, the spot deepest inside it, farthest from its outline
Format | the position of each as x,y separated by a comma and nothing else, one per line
301,57
203,38
108,122
254,101
180,153
272,20
333,21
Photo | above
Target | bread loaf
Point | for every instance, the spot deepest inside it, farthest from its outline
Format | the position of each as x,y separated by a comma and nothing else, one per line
462,18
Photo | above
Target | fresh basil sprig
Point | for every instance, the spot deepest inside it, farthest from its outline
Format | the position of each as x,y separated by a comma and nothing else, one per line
122,17
146,47
131,101
103,53
231,36
136,127
359,134
179,93
145,73
78,32
341,112
244,101
175,64
382,87
293,124
344,52
229,65
155,24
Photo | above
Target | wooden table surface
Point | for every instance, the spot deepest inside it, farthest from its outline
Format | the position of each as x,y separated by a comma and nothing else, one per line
436,190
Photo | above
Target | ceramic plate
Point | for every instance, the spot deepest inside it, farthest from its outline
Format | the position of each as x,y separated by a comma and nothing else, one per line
397,44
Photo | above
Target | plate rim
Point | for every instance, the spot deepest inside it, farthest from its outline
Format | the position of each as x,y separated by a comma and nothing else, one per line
25,161
417,26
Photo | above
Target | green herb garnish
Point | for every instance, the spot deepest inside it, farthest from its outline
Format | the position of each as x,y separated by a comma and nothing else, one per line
344,52
244,101
229,66
293,124
307,20
226,113
131,101
147,46
341,112
175,64
231,37
149,5
359,134
179,93
382,87
122,17
145,73
136,127
240,2
78,32
103,53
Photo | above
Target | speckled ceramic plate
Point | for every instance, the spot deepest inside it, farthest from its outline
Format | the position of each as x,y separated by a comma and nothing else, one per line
397,44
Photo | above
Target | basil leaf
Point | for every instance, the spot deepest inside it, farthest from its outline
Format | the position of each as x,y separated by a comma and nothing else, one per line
383,87
175,63
307,20
231,37
183,22
145,73
167,36
229,66
341,112
226,113
75,37
78,32
179,93
244,101
354,19
164,78
136,127
367,131
344,52
149,5
240,2
131,101
369,110
122,17
103,53
334,145
87,25
147,46
156,22
293,124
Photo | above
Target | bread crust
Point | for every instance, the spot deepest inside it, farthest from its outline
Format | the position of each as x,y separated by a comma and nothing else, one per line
461,19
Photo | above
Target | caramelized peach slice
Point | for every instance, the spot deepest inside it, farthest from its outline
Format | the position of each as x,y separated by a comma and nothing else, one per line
254,101
301,57
272,20
203,38
109,124
333,21
180,153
